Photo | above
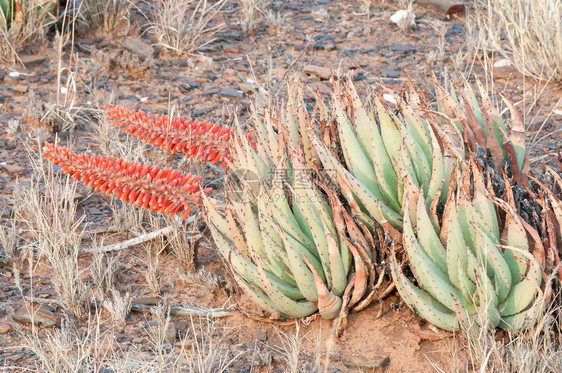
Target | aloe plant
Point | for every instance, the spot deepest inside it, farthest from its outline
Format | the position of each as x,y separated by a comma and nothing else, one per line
385,151
288,243
291,244
466,270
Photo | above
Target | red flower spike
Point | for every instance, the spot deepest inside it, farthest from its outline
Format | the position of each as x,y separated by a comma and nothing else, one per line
162,190
203,141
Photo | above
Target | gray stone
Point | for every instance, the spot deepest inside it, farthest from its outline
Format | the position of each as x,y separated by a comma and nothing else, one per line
231,92
390,73
138,47
403,48
32,60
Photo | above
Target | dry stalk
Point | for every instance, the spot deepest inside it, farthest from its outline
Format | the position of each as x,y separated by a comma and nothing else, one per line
183,26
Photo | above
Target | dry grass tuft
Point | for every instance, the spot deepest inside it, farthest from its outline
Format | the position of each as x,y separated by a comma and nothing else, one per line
536,350
251,13
8,241
183,242
47,208
183,26
526,32
107,15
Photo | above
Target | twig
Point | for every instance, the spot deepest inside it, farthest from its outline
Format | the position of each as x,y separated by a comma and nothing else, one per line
181,310
132,241
138,240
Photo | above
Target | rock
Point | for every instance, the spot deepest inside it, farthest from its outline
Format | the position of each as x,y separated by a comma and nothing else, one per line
390,73
231,92
32,60
14,170
247,88
502,63
21,88
230,48
103,369
403,18
389,99
137,340
40,317
403,48
5,328
261,336
320,87
138,47
364,363
171,332
323,73
212,91
94,211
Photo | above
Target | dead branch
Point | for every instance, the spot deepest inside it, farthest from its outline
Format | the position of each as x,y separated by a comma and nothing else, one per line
138,240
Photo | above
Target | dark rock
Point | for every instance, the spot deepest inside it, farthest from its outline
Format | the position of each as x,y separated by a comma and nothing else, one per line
403,48
32,60
457,29
94,211
47,308
212,91
231,92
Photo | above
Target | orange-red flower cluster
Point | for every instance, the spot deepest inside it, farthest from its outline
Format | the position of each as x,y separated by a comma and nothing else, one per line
163,190
204,141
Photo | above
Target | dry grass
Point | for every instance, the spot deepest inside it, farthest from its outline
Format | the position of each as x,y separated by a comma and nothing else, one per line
251,13
107,15
72,349
27,30
526,32
8,241
183,26
48,210
183,242
534,350
290,351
